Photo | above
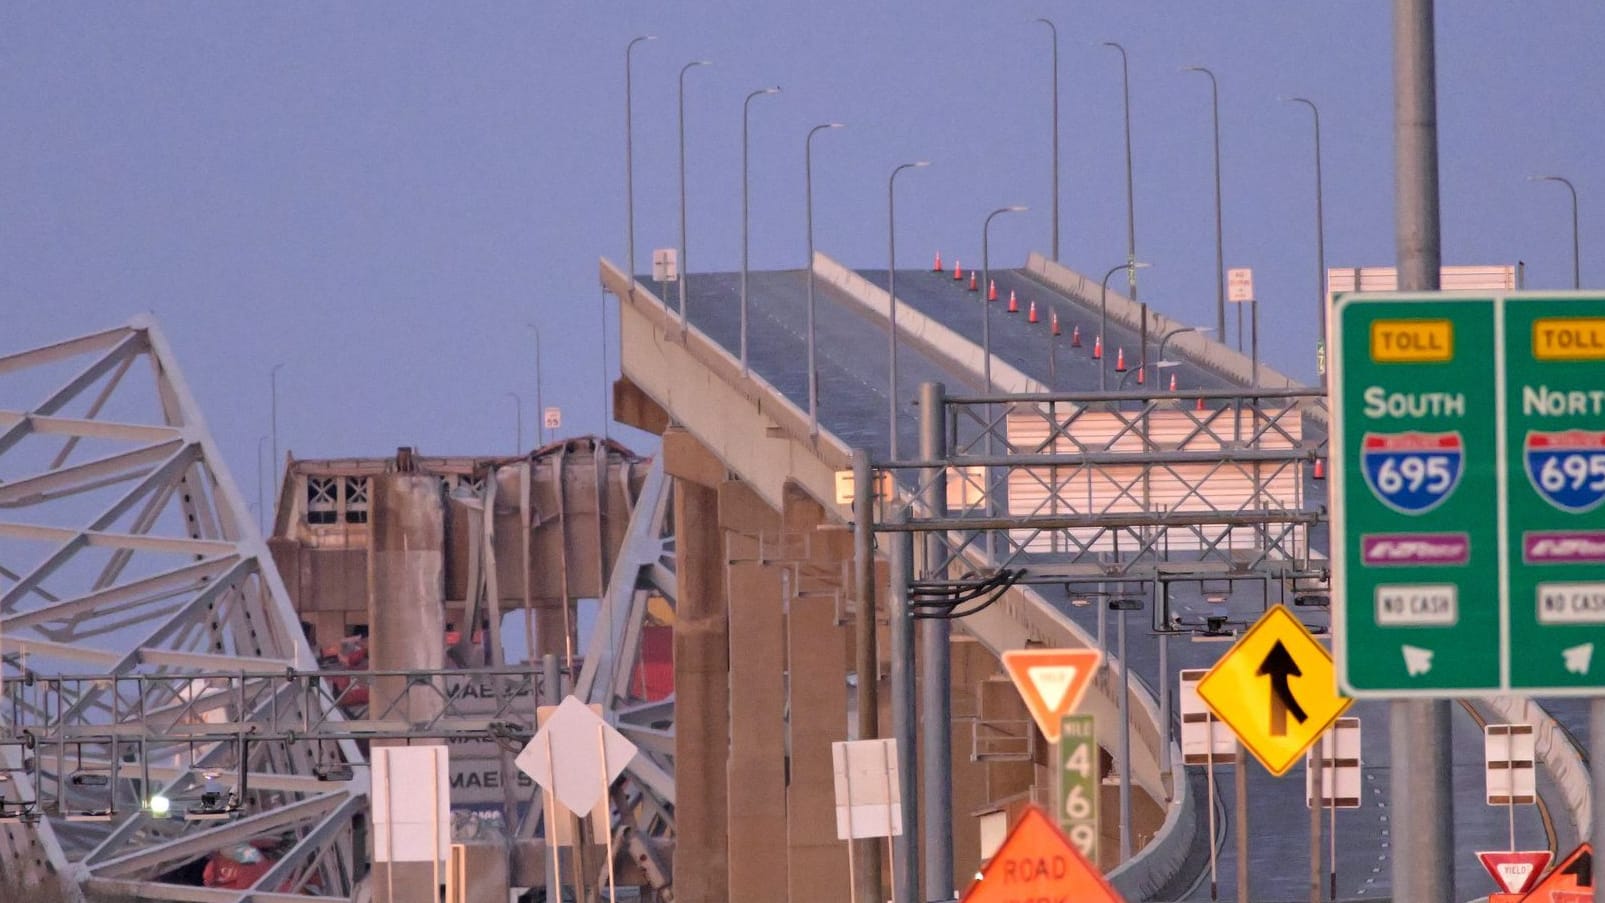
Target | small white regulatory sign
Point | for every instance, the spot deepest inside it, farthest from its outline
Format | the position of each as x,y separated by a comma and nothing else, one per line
1571,603
1418,605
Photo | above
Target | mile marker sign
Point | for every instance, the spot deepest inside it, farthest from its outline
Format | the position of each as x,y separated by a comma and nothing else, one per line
1468,493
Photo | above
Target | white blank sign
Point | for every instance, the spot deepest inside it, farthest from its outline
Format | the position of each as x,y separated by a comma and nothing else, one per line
411,803
868,803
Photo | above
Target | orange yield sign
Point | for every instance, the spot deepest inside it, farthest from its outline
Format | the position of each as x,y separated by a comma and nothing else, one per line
1037,862
1052,682
1570,882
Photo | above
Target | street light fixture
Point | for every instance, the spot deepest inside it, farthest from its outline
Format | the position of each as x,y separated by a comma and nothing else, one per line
746,110
1131,205
685,270
1055,32
808,191
1103,317
629,154
1220,260
1577,277
891,293
1320,231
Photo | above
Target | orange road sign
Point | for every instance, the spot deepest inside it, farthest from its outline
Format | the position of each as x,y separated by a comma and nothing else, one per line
1037,862
1570,882
1276,688
1052,682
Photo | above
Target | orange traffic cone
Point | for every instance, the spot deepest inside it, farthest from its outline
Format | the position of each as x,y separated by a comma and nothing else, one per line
1139,375
1172,382
973,285
1075,337
937,267
1014,305
1053,321
1320,468
1031,315
958,272
1200,405
1120,360
1097,347
991,290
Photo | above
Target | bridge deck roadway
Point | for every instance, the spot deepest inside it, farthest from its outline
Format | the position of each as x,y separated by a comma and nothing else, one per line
853,372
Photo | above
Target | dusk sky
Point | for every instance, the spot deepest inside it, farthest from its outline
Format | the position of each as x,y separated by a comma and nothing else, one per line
380,195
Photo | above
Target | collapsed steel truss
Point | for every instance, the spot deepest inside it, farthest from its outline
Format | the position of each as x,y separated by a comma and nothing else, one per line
150,648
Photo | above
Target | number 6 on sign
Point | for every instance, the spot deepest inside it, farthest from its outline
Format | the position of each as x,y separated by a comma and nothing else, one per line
1078,784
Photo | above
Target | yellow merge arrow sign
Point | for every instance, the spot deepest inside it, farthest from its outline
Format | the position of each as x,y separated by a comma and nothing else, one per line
1276,688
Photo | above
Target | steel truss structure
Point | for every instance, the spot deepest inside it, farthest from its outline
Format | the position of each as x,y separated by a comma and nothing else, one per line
150,649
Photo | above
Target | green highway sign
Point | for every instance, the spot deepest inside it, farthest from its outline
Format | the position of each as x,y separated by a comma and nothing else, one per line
1468,493
1079,784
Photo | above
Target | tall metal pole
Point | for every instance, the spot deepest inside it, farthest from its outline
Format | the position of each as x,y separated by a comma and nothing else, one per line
1125,731
1055,31
518,419
261,481
1103,321
1131,204
1240,821
746,116
273,463
867,851
1423,800
906,854
986,282
540,398
808,191
1577,273
1320,226
891,296
936,668
685,271
629,154
1220,258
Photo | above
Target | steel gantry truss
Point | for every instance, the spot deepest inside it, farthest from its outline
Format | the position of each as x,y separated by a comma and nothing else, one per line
1124,486
150,650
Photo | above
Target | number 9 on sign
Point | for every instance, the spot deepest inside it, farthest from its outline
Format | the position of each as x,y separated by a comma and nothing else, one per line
1085,839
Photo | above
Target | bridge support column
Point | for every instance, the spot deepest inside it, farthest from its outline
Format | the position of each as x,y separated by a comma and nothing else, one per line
701,676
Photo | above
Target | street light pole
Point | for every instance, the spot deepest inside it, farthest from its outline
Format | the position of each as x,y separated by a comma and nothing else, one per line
685,271
540,401
629,154
273,380
808,190
1220,260
891,294
261,504
986,306
518,418
746,110
1131,205
1055,31
1320,229
1103,320
1577,273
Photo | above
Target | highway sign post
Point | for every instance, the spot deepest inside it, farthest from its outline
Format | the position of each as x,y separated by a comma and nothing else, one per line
1037,862
1275,689
1468,530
